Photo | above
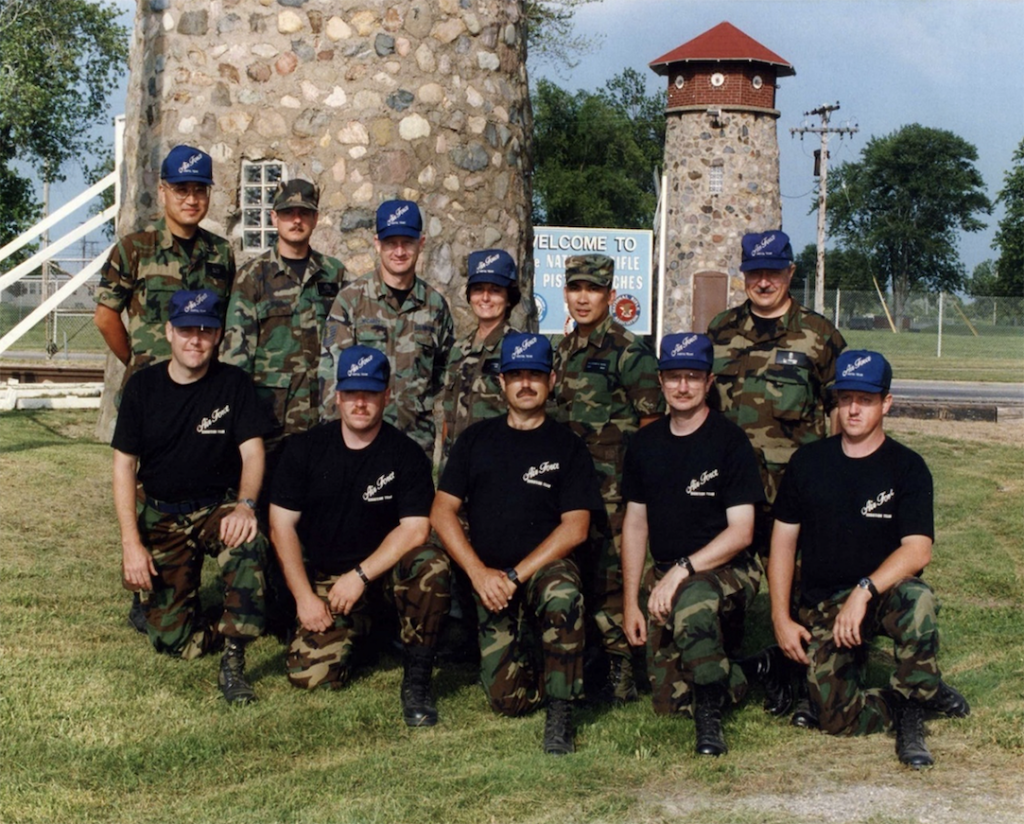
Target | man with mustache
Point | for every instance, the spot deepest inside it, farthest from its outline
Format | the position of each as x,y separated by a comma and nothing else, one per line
528,485
691,483
774,364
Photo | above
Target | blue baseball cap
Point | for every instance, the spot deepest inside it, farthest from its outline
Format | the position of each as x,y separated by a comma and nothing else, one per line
186,164
525,350
766,250
492,266
686,350
196,308
363,367
863,371
399,217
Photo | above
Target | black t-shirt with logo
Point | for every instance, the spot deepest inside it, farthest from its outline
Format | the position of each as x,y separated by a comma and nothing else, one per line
517,483
350,499
853,512
689,481
186,435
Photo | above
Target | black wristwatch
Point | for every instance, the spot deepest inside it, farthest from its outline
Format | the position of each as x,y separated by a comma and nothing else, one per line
686,564
869,585
512,575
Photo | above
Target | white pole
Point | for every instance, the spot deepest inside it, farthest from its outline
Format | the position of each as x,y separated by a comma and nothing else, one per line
939,353
835,320
662,256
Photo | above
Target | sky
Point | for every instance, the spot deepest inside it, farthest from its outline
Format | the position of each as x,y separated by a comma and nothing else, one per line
949,64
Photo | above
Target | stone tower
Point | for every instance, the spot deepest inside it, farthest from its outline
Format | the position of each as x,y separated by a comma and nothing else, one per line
424,100
722,162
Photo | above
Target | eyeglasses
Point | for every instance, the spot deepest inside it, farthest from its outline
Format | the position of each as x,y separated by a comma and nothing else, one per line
690,376
183,191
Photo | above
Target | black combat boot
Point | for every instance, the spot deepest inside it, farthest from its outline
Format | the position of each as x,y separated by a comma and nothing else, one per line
232,673
558,728
770,669
805,713
417,708
908,718
621,686
137,614
708,701
948,702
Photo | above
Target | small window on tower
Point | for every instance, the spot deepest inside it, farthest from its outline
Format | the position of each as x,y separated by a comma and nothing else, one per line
259,180
715,177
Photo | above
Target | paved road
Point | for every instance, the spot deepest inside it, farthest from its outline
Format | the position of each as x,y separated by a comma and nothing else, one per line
1000,394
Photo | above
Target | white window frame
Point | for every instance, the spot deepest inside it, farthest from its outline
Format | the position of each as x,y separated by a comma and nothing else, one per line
257,182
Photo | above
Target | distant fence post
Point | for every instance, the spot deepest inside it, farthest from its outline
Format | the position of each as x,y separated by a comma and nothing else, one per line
939,353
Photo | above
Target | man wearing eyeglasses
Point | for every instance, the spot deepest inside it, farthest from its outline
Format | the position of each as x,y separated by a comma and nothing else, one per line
691,485
145,268
775,361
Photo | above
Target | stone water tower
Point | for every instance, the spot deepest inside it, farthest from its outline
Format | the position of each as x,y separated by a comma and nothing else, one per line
722,162
424,100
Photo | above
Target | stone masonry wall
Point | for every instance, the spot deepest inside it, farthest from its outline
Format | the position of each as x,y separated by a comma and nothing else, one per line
372,99
704,230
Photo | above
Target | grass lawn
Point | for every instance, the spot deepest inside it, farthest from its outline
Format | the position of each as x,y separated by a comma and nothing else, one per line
95,727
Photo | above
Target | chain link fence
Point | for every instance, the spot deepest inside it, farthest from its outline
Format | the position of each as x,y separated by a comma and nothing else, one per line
67,333
936,336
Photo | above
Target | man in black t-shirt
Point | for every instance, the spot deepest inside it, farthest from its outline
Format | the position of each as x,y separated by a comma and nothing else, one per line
529,487
691,483
190,431
858,509
351,504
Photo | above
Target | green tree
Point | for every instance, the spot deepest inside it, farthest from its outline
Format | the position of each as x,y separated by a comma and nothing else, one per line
1009,239
845,269
595,154
903,205
983,285
59,61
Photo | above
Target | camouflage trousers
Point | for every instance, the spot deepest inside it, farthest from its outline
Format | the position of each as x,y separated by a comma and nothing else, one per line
694,648
907,614
418,586
601,569
178,544
543,620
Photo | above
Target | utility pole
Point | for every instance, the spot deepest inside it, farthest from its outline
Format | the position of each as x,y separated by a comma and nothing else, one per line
824,112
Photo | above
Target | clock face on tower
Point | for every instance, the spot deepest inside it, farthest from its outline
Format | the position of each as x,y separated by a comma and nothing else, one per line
717,79
757,82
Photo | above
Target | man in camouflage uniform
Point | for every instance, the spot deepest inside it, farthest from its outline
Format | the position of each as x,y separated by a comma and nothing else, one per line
195,427
472,390
607,389
396,312
145,268
859,509
528,485
695,470
774,360
276,315
349,517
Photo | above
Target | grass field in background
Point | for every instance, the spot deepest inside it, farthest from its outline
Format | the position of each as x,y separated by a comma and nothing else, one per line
95,727
76,331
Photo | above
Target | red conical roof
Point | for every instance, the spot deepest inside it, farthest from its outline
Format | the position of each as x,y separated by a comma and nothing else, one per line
723,43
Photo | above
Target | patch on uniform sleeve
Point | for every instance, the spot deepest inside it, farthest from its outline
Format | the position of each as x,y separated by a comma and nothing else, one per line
787,357
217,270
492,366
597,366
327,289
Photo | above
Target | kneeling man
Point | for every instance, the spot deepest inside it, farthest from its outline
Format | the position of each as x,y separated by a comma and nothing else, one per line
529,487
858,509
349,519
190,431
691,484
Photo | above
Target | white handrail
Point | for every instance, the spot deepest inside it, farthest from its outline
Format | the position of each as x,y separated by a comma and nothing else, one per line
58,216
50,251
52,302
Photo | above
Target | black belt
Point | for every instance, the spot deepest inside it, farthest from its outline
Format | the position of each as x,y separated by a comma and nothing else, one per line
183,507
